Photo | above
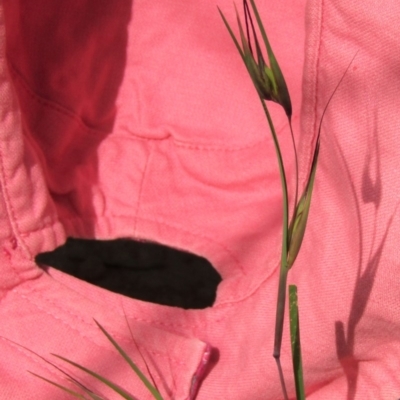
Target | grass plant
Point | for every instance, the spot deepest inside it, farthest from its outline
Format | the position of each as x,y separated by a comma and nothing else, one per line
270,85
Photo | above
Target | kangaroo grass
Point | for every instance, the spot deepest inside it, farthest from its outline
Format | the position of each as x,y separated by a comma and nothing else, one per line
270,85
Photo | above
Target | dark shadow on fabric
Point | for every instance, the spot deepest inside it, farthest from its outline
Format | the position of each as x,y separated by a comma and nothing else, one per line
67,61
345,342
141,270
371,192
371,188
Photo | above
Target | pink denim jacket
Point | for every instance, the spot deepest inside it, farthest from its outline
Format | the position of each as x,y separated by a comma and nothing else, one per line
136,118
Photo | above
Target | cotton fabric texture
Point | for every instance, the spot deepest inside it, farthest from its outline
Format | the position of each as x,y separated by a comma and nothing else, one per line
137,119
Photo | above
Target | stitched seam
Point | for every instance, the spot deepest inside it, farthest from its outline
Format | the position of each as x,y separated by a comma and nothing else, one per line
200,147
229,301
66,311
34,357
48,103
193,146
43,227
10,209
141,190
200,235
174,226
75,316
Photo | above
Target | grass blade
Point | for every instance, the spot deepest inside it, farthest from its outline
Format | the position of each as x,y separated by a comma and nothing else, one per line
73,381
122,392
295,340
70,378
298,224
64,388
280,315
235,41
141,354
156,394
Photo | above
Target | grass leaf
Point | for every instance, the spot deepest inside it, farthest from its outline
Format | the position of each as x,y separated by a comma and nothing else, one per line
64,388
235,41
298,224
122,392
156,394
295,340
70,378
140,353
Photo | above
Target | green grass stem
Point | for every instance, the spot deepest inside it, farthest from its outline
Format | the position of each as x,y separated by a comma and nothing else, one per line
295,341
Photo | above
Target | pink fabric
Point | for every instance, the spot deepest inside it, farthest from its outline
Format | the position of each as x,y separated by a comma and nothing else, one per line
137,119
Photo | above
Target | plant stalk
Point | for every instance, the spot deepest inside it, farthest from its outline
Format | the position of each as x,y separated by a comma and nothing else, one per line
281,301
